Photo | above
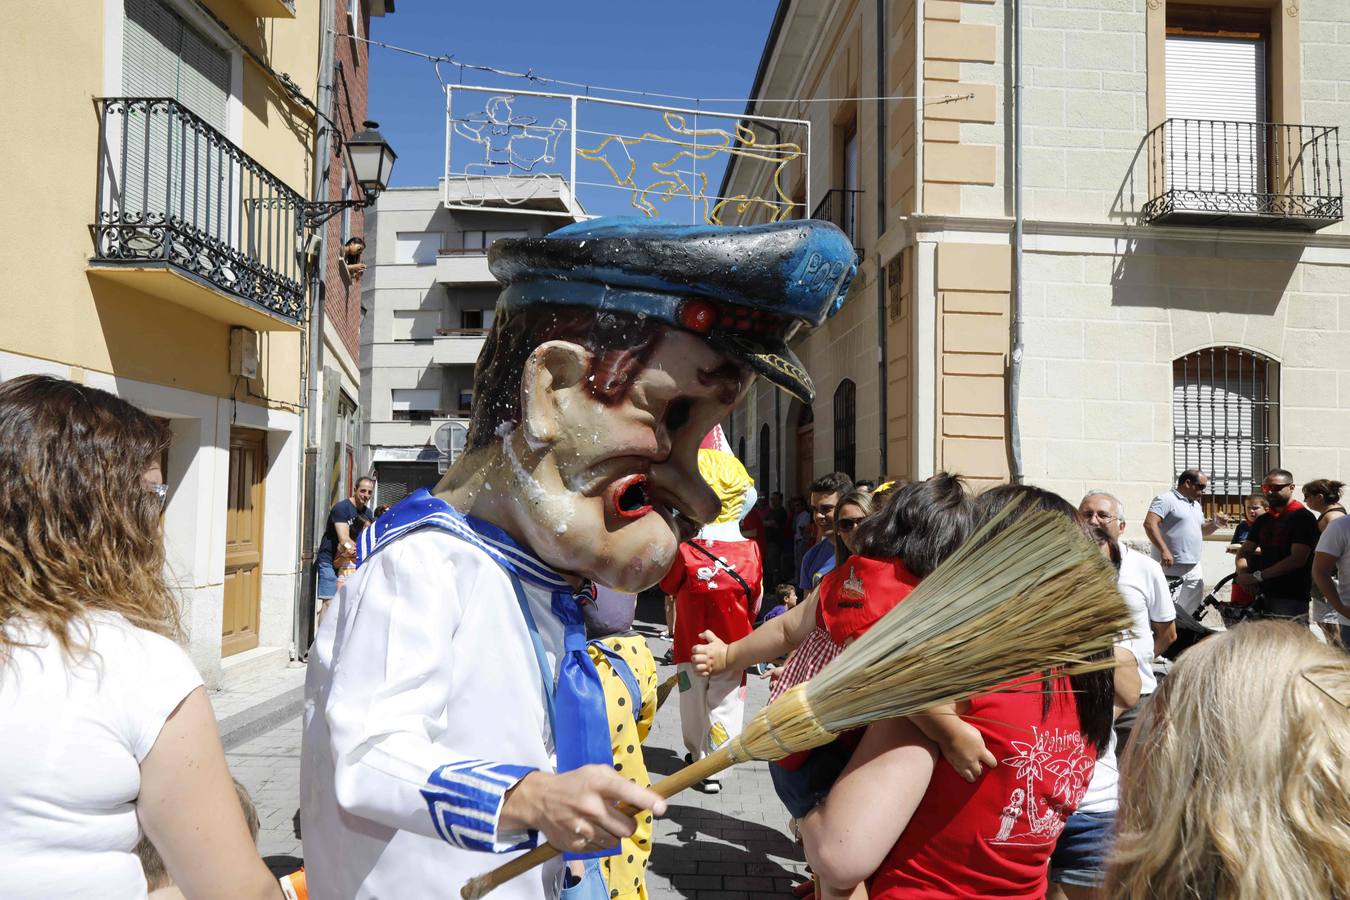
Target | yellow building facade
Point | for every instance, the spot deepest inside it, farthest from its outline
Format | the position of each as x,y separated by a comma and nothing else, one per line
155,175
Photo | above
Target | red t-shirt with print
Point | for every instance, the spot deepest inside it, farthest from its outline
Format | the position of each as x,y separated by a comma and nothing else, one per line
707,598
993,838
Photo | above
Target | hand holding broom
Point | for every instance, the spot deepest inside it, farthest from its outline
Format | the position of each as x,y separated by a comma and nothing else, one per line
1033,597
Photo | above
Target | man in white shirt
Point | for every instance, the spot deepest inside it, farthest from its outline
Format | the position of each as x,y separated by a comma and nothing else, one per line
1176,526
1141,582
451,708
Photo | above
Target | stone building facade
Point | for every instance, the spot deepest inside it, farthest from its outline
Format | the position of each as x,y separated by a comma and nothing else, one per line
1184,288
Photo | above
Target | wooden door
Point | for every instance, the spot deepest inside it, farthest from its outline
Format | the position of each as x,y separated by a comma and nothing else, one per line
243,541
806,458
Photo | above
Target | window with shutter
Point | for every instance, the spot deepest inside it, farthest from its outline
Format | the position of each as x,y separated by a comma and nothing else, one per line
170,170
1217,86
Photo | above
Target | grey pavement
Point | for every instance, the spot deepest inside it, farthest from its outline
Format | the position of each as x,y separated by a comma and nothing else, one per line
708,847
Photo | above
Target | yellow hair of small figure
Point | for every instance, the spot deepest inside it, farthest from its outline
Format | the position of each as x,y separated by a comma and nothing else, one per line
728,479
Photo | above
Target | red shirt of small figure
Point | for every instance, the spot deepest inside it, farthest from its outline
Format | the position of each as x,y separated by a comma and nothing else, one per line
993,838
858,593
707,598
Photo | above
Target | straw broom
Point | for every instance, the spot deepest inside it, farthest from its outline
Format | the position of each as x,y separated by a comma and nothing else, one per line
1034,597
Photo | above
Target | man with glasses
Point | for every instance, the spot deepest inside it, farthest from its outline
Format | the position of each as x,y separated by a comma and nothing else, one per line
1276,559
1176,526
1142,584
819,560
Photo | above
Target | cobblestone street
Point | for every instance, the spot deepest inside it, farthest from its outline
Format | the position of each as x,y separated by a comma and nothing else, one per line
709,846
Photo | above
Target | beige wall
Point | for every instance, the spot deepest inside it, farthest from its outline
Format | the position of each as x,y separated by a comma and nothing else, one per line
54,310
972,332
841,62
1104,327
105,328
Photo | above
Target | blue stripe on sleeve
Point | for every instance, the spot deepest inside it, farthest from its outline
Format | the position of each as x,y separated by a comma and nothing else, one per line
465,800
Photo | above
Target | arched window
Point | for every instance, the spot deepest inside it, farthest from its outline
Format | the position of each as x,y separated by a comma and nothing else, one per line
845,428
1225,421
763,485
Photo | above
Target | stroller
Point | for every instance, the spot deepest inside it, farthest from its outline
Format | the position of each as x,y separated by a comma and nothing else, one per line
1191,631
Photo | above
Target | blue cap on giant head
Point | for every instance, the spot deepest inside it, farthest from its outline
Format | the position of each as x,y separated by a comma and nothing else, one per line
743,289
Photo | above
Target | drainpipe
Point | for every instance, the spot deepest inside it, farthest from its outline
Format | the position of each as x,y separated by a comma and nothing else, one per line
1015,363
309,467
881,228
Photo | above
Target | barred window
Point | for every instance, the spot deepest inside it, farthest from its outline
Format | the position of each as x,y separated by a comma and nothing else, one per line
845,428
1225,422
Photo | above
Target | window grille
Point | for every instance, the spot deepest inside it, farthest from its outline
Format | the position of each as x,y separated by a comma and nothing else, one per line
1225,422
845,428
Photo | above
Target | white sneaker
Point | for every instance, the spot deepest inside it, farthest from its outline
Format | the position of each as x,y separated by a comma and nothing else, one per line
712,787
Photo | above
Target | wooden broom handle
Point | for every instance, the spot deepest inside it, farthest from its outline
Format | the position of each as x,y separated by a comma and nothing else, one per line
667,787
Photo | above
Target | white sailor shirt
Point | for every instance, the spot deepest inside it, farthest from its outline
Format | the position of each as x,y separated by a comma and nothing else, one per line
424,706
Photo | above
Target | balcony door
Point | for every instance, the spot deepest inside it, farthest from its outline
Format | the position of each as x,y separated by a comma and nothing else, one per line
171,170
243,541
1216,99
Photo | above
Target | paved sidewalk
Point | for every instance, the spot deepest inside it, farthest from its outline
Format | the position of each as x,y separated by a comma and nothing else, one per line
708,847
260,704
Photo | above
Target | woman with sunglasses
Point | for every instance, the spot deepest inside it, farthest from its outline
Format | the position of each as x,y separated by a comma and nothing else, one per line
107,729
853,508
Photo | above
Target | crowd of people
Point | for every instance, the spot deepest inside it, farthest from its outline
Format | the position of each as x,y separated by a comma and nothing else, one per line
961,782
1229,783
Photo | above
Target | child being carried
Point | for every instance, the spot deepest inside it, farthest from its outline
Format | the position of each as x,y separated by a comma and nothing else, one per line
919,526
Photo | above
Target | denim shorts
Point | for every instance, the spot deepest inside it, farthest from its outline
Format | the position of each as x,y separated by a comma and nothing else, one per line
805,788
327,577
1081,851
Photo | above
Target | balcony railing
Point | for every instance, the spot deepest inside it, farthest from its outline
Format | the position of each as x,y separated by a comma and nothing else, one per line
1211,172
841,207
174,191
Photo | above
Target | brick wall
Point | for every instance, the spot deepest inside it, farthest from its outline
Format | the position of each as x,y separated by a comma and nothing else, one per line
343,294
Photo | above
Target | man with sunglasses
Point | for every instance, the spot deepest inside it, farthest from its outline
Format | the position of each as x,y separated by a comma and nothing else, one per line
1276,559
819,560
1176,526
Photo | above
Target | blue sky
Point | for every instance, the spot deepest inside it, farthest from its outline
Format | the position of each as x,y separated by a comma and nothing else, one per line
700,48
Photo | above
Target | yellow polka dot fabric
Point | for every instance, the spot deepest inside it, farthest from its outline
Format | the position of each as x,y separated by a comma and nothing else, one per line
625,871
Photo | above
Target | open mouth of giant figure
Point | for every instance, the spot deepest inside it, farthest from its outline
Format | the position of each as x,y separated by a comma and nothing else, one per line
629,497
632,497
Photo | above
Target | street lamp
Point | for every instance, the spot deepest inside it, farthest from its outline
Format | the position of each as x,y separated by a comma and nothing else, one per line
372,161
371,157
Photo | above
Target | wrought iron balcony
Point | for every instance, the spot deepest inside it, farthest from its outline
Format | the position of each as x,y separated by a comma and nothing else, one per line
841,207
174,194
1257,174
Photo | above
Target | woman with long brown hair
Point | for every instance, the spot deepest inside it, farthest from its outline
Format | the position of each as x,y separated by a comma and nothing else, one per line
107,728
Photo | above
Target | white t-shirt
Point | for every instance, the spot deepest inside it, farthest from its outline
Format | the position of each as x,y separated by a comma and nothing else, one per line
1335,541
1142,584
74,735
